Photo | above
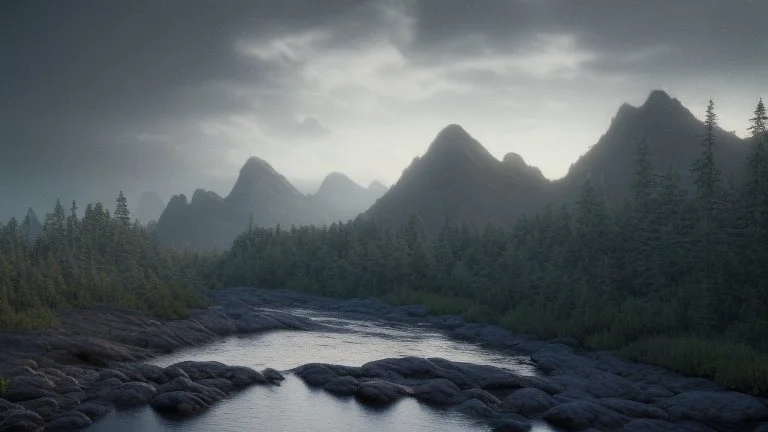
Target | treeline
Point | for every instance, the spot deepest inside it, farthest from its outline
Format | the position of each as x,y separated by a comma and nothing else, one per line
99,259
673,277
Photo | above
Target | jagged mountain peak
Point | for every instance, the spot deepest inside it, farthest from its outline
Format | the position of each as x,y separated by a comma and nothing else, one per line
377,187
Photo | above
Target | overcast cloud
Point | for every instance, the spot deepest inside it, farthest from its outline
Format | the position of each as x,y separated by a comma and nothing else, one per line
173,95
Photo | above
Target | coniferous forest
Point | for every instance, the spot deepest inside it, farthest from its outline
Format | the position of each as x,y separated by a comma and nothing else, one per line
674,276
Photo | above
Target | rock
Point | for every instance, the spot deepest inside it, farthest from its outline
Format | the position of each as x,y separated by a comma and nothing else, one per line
173,372
439,391
66,384
714,407
94,410
133,394
599,384
261,321
315,374
69,421
634,409
528,402
483,396
207,394
242,376
477,409
153,373
381,392
21,420
582,414
344,386
181,403
655,425
202,370
218,383
44,407
272,375
399,368
27,387
111,373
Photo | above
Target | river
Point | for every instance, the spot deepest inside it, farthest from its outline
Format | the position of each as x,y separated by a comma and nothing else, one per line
295,407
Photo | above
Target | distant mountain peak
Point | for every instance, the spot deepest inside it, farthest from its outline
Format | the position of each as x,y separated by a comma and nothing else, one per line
377,186
255,164
514,159
660,98
454,140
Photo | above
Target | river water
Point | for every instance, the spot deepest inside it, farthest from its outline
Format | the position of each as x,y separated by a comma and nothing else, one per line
295,407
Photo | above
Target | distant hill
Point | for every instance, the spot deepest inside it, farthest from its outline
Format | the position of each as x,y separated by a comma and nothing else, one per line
457,180
674,136
260,192
339,198
149,207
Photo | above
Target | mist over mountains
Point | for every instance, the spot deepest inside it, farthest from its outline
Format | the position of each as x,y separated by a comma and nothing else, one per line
455,181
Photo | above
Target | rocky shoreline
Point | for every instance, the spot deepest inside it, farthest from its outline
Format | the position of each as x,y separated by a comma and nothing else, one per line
67,378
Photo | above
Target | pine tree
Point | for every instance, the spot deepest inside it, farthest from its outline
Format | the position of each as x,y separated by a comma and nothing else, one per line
757,162
122,214
706,173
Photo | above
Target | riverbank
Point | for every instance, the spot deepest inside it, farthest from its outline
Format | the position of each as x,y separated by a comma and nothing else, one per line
92,363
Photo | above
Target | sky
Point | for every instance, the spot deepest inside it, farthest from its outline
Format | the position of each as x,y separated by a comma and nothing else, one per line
172,95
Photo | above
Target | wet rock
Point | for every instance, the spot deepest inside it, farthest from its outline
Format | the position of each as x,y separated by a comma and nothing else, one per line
111,373
599,384
343,386
272,375
181,403
241,376
714,407
476,408
439,391
483,396
21,420
528,402
583,414
132,394
173,372
66,384
152,373
218,383
201,370
399,368
44,407
26,387
207,394
381,392
315,374
68,421
94,410
634,409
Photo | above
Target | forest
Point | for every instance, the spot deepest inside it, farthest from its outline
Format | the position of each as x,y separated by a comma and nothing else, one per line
673,277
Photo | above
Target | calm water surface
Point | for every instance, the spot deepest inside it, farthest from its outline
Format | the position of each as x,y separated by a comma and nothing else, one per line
295,407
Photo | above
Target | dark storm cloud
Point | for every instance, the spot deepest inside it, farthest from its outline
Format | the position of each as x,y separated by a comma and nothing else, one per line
171,95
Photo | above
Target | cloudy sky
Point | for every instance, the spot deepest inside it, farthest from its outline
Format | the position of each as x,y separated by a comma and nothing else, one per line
173,95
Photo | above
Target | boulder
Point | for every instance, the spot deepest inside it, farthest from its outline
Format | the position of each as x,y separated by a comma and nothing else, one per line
218,383
153,373
132,394
477,409
180,403
27,387
242,376
111,373
483,396
272,375
439,391
94,410
528,402
315,374
511,424
68,421
381,392
21,420
44,407
343,386
714,407
656,425
634,409
173,372
207,394
583,414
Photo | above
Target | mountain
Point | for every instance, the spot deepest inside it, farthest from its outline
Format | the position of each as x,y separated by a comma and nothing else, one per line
339,197
457,180
262,194
674,136
150,207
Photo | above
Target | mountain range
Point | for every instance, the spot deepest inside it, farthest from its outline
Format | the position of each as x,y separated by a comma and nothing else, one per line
455,181
265,197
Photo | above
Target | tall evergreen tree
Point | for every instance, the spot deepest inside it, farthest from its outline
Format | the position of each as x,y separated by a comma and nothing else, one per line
706,173
122,213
